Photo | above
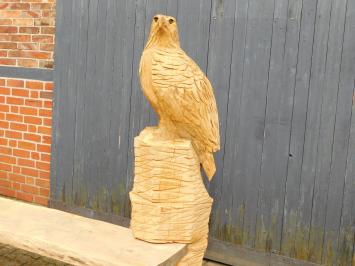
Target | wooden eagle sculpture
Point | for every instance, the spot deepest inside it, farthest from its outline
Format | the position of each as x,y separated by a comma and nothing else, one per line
179,92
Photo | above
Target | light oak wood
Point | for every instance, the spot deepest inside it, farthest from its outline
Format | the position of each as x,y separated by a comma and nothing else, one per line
179,92
169,200
78,240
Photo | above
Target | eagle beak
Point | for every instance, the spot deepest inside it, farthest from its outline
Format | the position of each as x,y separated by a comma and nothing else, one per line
162,23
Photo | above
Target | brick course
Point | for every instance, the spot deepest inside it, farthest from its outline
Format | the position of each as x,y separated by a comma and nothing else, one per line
27,29
25,139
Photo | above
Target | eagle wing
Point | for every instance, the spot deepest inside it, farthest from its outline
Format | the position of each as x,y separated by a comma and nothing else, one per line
185,95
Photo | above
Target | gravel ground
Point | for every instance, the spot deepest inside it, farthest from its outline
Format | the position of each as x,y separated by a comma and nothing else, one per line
10,256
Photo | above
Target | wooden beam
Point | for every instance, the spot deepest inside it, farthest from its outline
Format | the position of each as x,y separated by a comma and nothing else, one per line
240,256
78,240
217,250
26,73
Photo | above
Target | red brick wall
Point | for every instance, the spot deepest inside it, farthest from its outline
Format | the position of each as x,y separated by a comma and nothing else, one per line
25,139
27,33
27,29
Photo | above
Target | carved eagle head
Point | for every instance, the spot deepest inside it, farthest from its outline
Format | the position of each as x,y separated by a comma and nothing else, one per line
163,32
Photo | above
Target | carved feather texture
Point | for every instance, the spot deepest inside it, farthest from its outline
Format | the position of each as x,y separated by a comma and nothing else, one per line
183,97
186,94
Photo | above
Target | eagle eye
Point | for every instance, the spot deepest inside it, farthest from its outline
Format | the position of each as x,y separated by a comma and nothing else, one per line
171,21
156,19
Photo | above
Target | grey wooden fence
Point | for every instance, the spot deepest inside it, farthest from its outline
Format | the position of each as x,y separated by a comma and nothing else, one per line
283,73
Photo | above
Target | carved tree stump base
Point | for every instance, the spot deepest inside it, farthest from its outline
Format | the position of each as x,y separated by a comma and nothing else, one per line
169,200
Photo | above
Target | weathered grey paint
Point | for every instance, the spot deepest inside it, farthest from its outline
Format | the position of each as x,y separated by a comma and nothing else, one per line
345,241
283,73
291,222
26,73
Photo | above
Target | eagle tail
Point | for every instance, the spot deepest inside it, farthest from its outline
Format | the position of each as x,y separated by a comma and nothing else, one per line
208,164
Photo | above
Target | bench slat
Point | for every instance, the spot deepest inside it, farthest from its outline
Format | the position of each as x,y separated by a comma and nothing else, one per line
78,240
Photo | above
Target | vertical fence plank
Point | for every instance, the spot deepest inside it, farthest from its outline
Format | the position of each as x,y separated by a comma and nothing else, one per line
79,186
325,140
316,163
218,72
56,178
342,142
309,178
121,100
94,127
194,22
346,236
273,157
139,109
64,105
294,16
326,183
278,124
252,112
227,220
114,145
290,244
172,8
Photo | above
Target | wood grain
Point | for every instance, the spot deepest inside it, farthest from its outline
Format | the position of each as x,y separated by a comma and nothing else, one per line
284,118
78,240
170,203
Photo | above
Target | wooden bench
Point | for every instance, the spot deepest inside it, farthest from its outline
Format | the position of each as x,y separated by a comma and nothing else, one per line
78,240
